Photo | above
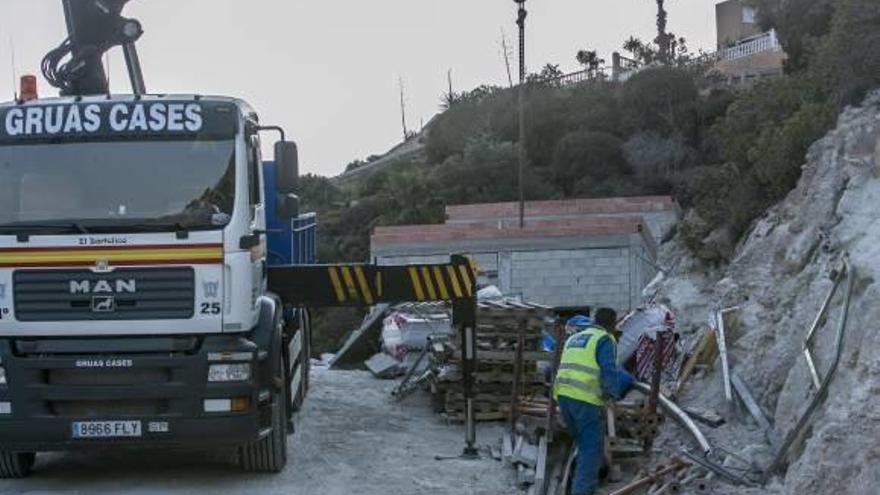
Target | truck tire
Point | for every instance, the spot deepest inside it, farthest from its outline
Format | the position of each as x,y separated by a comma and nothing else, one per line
269,454
16,464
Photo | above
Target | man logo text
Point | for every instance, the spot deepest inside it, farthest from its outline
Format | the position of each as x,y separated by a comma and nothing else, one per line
103,286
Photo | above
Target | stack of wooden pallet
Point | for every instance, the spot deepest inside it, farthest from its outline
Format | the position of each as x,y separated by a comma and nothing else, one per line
499,326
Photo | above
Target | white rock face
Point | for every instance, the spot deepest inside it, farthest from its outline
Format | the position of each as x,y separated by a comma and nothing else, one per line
779,276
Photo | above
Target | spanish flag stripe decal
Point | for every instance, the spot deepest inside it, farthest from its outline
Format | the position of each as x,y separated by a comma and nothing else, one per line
134,255
68,249
362,281
466,280
438,275
414,276
337,284
456,289
426,276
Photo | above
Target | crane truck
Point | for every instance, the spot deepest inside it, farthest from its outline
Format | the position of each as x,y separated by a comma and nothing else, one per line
155,272
134,307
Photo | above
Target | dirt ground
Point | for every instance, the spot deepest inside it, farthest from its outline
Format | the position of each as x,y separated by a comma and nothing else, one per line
350,439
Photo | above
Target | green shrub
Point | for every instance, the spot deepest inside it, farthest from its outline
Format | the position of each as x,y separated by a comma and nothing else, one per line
487,172
587,156
662,100
780,150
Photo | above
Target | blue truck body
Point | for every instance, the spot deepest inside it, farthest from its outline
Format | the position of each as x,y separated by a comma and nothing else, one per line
289,242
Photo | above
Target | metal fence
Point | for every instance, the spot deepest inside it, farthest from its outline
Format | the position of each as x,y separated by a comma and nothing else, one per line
767,42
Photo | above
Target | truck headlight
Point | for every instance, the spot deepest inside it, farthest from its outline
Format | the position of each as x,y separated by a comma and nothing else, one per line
236,372
2,375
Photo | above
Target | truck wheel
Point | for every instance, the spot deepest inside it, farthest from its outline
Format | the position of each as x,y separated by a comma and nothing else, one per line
269,454
16,464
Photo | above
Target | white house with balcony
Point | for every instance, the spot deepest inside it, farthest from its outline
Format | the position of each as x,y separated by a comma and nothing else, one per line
745,52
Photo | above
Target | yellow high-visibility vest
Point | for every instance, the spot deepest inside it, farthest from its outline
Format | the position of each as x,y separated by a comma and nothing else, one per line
578,375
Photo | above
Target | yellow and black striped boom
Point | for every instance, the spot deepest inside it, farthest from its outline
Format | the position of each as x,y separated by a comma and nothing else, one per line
366,285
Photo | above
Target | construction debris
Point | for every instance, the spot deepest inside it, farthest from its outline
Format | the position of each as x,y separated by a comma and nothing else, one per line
704,352
362,340
795,434
705,416
384,366
680,416
659,474
717,319
742,391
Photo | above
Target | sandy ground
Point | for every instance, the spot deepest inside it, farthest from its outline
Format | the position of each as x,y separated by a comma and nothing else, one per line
350,439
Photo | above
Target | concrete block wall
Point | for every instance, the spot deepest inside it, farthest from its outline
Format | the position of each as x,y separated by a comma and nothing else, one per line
594,277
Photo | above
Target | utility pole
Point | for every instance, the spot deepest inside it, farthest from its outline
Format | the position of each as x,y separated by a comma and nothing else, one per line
521,22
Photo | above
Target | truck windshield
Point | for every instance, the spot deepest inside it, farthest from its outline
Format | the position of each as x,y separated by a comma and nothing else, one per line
117,186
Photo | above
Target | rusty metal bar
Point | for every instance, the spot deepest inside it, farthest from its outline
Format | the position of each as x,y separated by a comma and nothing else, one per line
677,465
557,358
517,378
717,469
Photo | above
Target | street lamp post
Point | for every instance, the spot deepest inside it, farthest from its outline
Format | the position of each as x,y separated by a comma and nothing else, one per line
522,13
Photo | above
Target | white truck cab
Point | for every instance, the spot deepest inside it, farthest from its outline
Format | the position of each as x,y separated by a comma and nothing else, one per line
133,264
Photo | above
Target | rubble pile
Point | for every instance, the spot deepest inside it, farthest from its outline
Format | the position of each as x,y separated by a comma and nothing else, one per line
778,281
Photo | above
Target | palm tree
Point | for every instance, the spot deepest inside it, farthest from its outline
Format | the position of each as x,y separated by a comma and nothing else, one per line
664,40
591,61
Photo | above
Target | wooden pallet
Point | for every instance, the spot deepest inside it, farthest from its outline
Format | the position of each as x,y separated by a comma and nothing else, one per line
508,357
494,376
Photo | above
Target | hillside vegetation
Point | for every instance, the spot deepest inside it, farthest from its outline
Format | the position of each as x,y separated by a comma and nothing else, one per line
672,128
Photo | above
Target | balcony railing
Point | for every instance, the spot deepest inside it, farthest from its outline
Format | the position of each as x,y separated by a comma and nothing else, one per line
767,42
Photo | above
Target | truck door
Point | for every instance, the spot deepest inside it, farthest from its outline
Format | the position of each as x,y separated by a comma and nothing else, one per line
258,218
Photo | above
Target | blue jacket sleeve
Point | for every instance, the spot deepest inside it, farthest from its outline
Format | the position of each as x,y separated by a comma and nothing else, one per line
614,379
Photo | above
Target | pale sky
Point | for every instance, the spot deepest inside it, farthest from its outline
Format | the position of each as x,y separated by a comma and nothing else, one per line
328,70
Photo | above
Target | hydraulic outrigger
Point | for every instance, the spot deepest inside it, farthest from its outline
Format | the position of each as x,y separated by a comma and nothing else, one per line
366,285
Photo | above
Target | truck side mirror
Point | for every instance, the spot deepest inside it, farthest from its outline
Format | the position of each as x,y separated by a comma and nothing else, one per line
286,167
287,206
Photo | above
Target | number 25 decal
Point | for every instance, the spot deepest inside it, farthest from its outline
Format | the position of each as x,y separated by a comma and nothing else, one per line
210,308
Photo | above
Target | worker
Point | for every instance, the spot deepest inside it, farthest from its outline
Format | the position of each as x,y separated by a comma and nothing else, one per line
588,376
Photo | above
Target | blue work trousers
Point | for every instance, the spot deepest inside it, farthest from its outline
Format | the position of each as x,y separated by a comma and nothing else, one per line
586,424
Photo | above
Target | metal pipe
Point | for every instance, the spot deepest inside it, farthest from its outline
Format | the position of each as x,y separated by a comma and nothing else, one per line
795,433
717,469
823,311
682,417
722,352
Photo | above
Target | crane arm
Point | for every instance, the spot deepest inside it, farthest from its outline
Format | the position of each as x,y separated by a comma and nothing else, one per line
94,27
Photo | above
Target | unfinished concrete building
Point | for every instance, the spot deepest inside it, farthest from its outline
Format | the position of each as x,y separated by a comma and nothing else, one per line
578,252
